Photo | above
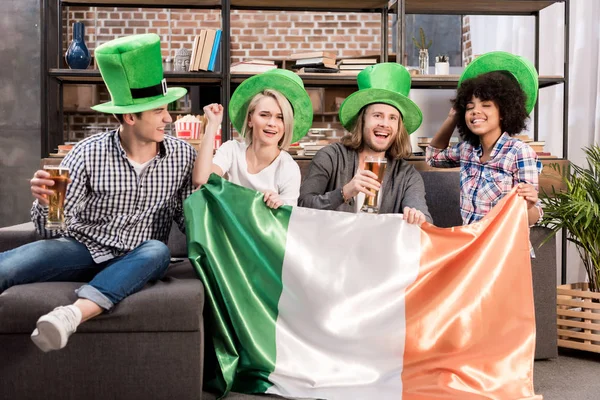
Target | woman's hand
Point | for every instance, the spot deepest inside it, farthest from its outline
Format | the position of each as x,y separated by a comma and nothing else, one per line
272,200
413,216
213,113
528,192
361,183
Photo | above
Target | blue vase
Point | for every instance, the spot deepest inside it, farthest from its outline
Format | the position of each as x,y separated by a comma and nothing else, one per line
78,55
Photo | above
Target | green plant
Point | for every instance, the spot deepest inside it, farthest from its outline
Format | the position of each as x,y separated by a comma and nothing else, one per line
577,210
421,45
441,58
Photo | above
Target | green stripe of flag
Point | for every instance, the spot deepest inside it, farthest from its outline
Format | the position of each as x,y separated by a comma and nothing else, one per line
228,265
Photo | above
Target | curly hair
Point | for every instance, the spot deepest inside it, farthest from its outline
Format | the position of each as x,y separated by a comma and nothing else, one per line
501,88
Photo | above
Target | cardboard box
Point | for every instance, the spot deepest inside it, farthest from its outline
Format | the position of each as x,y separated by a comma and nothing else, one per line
316,97
79,97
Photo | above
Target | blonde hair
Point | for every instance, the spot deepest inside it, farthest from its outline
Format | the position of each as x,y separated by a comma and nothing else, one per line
400,147
286,111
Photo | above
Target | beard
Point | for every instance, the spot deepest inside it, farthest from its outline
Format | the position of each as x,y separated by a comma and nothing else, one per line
370,144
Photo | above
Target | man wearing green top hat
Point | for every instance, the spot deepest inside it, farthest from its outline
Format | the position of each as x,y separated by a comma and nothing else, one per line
380,117
127,186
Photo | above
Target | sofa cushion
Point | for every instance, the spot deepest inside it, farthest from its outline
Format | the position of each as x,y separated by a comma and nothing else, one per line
174,303
442,193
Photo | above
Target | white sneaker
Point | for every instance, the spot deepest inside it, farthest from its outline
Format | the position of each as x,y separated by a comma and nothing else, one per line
53,329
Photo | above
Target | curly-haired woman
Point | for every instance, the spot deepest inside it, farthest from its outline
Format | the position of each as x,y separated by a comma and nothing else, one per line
496,94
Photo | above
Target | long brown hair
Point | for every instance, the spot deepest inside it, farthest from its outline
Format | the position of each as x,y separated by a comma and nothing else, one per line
400,147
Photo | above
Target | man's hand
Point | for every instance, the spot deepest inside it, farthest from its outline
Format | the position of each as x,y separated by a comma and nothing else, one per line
272,200
361,183
39,186
413,216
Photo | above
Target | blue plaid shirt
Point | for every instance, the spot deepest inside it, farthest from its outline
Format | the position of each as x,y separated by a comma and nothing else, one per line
482,185
112,210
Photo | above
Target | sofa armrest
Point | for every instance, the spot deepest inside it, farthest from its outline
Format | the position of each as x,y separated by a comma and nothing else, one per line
17,235
543,268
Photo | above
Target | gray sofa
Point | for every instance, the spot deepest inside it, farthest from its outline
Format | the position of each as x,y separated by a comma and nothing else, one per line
152,345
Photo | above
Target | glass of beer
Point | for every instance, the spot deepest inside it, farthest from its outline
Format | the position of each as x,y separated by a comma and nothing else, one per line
56,206
377,166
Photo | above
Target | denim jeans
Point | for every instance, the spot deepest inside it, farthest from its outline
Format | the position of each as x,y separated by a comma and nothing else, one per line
65,259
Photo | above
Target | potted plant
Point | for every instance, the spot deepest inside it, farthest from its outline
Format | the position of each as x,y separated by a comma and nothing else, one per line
576,209
423,47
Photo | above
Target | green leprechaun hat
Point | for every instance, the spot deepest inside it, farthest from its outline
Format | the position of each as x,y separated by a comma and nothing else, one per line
519,67
132,70
387,83
285,82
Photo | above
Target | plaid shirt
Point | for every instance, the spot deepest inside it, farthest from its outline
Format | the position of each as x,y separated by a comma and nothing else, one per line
482,185
112,210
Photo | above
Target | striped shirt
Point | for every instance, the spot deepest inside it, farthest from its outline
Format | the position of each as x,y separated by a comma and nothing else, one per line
112,210
483,184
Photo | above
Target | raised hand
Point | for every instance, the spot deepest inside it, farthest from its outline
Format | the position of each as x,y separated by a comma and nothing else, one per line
213,113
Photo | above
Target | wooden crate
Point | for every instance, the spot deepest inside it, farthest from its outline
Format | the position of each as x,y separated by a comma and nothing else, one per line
578,317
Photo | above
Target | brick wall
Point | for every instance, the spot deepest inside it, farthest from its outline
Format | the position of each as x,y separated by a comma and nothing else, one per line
254,34
467,50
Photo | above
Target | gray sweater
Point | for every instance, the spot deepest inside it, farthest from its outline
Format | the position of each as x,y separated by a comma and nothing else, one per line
335,165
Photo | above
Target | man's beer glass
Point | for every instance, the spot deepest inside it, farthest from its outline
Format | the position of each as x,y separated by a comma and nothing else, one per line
56,206
377,166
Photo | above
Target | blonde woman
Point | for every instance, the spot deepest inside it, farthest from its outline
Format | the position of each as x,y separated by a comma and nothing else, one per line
270,110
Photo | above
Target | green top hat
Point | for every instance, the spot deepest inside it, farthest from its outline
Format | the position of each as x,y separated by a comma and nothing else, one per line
387,83
521,68
132,70
285,82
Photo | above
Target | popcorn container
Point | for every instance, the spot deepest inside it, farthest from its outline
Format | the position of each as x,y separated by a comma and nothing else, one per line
189,129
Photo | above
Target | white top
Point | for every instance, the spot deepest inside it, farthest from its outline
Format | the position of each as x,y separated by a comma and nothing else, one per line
282,176
139,168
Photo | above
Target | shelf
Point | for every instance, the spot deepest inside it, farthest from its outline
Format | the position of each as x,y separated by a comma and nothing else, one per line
146,3
418,81
451,81
312,5
475,7
72,76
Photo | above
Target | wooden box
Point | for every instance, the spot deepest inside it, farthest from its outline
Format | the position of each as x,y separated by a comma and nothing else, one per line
578,317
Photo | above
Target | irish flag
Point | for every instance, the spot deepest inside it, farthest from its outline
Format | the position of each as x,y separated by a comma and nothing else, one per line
328,305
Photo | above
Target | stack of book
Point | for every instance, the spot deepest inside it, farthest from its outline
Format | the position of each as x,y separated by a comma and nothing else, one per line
355,65
205,50
315,61
252,66
537,146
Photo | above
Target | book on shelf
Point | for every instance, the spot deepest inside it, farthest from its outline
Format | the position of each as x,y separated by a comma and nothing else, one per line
312,54
257,61
316,61
214,60
207,49
195,62
351,61
351,67
244,67
317,70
